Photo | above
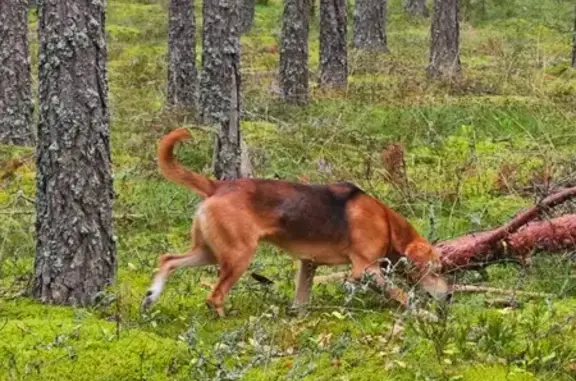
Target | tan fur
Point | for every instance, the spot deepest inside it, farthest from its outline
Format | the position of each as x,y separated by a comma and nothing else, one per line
320,225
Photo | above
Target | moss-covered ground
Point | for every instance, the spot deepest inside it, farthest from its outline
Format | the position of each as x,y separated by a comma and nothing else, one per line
477,151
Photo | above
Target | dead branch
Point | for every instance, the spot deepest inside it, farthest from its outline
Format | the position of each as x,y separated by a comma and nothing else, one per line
493,290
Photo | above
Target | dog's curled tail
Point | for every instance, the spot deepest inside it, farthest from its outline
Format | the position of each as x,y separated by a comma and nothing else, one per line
176,172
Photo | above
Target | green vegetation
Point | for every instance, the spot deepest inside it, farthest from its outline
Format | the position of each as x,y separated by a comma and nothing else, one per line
473,148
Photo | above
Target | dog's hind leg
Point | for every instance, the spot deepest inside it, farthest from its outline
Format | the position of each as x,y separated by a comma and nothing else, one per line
232,267
195,257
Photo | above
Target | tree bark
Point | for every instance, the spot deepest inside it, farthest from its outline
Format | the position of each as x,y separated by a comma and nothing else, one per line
228,147
370,25
220,83
16,105
416,8
75,246
294,52
333,51
182,75
445,37
247,11
574,41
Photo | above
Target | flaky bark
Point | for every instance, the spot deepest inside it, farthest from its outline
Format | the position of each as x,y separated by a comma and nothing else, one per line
75,250
247,10
294,52
445,40
370,25
182,75
416,8
227,162
220,83
16,105
333,51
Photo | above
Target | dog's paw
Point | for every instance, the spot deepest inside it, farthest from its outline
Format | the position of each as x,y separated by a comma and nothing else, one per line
147,301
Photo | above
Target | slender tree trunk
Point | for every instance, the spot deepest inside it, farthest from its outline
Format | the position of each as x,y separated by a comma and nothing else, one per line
445,37
416,8
75,247
247,11
574,41
370,25
220,83
182,75
294,52
16,105
333,51
228,148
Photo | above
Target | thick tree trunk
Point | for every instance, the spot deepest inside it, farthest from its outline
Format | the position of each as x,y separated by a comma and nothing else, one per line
220,83
16,105
370,25
247,11
445,37
416,8
75,248
182,75
333,52
574,41
294,52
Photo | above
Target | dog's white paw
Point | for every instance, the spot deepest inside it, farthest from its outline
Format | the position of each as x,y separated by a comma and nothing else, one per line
148,300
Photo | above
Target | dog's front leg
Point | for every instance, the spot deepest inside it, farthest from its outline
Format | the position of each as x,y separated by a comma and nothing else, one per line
304,280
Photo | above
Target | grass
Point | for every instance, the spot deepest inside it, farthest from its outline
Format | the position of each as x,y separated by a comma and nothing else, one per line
473,148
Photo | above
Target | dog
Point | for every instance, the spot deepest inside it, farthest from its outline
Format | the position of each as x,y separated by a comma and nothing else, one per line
317,224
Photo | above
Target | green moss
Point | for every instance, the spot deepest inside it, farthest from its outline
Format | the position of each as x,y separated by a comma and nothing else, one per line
473,148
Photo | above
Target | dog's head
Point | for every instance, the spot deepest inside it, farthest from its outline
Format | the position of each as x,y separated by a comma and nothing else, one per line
429,277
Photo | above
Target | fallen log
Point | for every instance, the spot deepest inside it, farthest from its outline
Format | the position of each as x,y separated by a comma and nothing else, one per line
511,239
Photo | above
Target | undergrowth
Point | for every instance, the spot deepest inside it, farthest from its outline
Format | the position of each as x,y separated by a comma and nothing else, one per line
476,151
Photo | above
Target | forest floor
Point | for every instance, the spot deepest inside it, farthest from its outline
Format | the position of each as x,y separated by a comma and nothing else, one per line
477,151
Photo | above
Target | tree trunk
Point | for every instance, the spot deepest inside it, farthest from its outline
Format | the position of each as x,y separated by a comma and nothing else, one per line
247,11
16,105
370,25
75,247
227,163
574,41
416,8
182,75
294,52
333,52
220,83
445,36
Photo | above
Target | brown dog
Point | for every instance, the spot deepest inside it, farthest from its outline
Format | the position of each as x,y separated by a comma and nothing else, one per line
318,224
